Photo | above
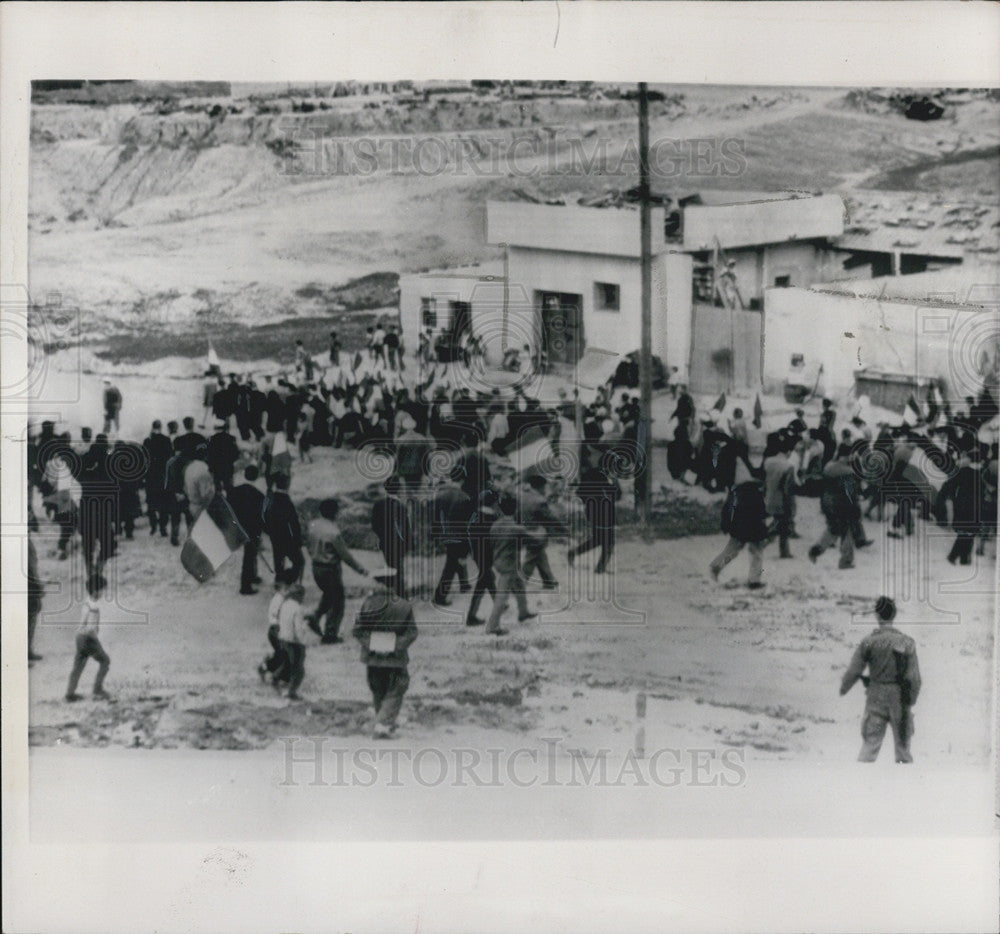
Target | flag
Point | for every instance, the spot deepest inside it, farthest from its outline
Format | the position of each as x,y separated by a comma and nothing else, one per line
357,361
213,359
720,403
216,534
911,413
758,412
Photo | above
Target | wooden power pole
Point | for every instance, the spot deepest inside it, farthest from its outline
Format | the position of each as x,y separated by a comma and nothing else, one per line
645,433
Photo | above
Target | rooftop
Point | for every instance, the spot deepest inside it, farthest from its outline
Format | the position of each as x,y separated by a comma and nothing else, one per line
931,225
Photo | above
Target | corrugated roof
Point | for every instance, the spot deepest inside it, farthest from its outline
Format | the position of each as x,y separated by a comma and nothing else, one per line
889,222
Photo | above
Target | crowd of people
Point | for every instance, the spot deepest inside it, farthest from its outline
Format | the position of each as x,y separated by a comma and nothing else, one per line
478,503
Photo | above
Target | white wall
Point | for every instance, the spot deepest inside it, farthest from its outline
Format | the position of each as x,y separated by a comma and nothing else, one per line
441,286
560,271
604,231
759,222
846,333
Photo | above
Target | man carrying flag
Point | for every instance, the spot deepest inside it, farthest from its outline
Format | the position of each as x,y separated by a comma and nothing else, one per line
215,535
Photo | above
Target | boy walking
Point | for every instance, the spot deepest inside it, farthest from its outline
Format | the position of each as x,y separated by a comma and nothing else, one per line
385,628
87,643
291,629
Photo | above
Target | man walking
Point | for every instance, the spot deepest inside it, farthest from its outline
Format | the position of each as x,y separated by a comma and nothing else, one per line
281,522
328,552
248,505
386,629
112,407
840,505
391,526
505,536
893,683
159,451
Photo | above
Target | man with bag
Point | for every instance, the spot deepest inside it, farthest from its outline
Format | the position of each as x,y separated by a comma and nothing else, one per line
385,628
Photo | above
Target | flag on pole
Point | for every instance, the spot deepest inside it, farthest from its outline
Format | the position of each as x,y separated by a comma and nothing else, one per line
720,403
911,413
213,359
216,534
758,412
357,361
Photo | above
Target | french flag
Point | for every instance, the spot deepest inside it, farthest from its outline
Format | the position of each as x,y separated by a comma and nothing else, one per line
215,536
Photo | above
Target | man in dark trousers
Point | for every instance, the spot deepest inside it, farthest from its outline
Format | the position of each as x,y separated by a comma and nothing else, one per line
221,454
505,537
600,494
391,526
452,512
248,505
159,451
281,523
893,683
274,408
534,513
840,503
329,552
112,407
385,627
98,507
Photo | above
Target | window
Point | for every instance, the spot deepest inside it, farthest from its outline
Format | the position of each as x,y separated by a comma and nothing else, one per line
607,296
428,314
782,282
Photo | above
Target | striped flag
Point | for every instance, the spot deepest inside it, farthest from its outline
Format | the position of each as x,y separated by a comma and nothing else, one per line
911,413
758,412
215,536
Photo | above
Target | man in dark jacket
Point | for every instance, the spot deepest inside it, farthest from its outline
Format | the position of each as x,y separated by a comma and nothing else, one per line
98,507
221,454
391,526
452,511
967,496
840,503
744,519
600,494
158,451
281,523
190,441
248,505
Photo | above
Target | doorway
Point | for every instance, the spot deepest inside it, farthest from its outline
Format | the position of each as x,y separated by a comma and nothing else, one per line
562,326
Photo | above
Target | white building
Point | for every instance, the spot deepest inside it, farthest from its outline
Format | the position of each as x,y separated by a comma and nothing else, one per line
570,279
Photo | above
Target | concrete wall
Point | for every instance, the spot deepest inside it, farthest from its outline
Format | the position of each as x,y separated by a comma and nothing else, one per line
604,231
442,287
759,222
533,271
847,333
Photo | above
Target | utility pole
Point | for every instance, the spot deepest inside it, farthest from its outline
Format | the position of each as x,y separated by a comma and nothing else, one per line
645,433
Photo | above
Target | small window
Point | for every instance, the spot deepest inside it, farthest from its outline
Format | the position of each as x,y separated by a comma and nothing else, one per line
607,296
428,313
782,282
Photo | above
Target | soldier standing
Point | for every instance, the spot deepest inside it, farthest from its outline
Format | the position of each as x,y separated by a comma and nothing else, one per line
893,683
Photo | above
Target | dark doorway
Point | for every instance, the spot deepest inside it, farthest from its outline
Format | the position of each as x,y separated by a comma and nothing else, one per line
562,326
461,319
